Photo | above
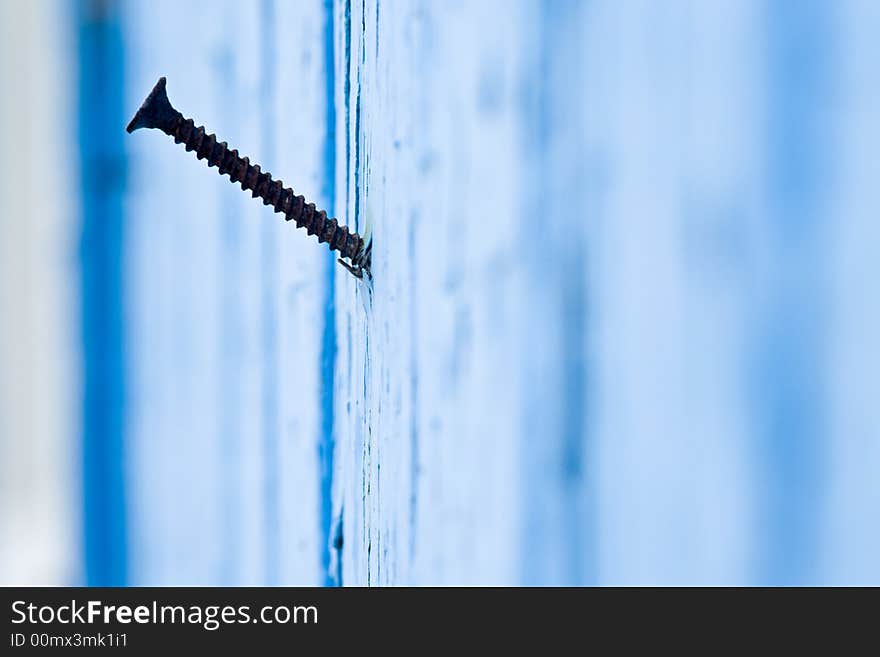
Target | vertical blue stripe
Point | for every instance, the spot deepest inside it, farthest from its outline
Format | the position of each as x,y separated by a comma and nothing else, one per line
558,544
790,373
268,261
562,39
102,159
328,339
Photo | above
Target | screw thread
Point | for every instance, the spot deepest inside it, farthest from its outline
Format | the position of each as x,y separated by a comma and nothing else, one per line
272,192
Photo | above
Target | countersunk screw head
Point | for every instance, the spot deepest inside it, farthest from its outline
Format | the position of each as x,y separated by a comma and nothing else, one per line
157,112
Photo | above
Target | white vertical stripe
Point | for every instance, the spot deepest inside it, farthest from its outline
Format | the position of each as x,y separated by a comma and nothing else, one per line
39,325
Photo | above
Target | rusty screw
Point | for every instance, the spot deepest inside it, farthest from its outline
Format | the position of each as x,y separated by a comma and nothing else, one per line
157,112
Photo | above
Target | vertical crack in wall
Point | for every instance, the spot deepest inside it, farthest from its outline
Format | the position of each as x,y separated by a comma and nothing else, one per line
328,338
368,442
338,543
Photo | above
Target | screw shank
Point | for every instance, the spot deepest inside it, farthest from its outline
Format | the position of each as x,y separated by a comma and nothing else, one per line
157,112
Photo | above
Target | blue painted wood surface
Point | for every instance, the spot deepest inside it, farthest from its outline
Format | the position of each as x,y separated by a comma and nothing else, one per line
621,327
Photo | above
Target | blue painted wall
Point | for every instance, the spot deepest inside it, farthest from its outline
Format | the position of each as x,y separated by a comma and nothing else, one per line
619,326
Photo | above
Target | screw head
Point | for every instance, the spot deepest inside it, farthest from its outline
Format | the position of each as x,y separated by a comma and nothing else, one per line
156,111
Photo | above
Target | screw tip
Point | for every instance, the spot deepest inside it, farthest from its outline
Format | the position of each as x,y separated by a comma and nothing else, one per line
155,112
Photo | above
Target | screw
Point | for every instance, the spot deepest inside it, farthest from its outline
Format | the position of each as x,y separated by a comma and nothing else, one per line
157,112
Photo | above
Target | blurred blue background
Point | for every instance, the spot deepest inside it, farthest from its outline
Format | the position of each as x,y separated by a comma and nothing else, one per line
623,326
